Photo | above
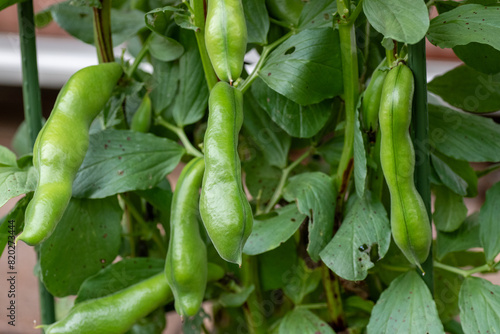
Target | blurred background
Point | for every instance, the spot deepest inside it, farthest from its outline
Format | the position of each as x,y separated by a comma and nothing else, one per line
59,56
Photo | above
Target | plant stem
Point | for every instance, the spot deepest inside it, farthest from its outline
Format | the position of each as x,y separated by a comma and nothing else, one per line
486,171
284,176
349,56
331,285
280,23
140,56
190,149
263,57
102,32
462,272
198,7
356,12
420,136
317,306
154,232
33,117
254,315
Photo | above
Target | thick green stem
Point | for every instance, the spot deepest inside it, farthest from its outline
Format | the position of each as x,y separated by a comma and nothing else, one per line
33,117
102,32
190,149
284,176
140,56
198,7
420,136
462,272
263,57
331,284
254,315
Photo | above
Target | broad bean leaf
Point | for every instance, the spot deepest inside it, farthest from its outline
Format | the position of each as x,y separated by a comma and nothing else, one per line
360,169
488,221
6,3
405,307
276,265
236,299
118,276
14,180
315,195
257,20
159,197
261,179
165,48
153,323
451,171
479,303
273,142
297,120
300,321
447,285
193,325
402,20
86,240
466,24
464,136
365,225
270,233
477,92
159,19
164,84
78,22
481,57
300,280
448,177
12,223
331,151
464,238
317,14
306,68
192,98
449,210
123,160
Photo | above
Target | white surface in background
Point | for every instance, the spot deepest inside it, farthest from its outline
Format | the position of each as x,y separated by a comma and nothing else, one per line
59,58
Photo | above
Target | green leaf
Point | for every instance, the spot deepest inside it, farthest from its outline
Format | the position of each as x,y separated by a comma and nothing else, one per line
7,157
317,14
405,307
193,325
479,306
159,197
464,136
257,20
192,98
477,92
359,157
316,196
449,210
6,3
154,323
466,24
275,265
273,142
331,151
300,321
306,68
365,225
402,20
481,57
164,84
86,239
270,233
447,285
124,160
160,19
300,281
12,223
448,177
165,48
488,219
15,181
452,171
466,237
236,299
118,276
261,179
78,22
297,120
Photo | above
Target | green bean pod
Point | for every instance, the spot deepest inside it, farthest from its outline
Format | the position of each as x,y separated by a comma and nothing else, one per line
224,208
62,144
141,121
186,263
371,99
226,38
115,313
410,225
